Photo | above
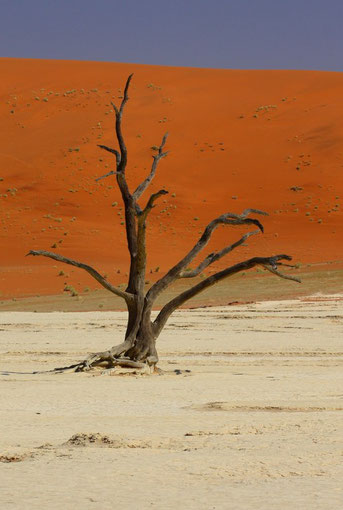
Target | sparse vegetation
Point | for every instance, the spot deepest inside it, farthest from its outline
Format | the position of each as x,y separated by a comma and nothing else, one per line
70,288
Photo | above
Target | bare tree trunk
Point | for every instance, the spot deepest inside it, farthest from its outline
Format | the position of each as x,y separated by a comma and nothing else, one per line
139,345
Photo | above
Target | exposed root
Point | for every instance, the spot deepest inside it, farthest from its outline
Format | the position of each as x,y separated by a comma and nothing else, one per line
121,355
107,360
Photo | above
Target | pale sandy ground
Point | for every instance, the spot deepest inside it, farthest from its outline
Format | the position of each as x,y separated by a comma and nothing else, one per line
256,424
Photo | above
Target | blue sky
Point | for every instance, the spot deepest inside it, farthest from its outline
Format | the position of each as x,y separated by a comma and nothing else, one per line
240,34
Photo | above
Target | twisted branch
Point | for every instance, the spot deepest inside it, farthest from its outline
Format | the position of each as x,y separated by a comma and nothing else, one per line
112,151
281,275
143,186
129,202
169,308
125,295
119,113
224,219
150,205
118,158
106,175
213,257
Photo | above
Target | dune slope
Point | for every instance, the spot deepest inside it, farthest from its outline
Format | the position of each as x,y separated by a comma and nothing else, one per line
271,140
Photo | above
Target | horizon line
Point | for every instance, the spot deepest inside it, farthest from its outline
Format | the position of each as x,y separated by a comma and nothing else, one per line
173,66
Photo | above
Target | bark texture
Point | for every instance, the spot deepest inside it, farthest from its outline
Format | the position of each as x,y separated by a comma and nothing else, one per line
138,348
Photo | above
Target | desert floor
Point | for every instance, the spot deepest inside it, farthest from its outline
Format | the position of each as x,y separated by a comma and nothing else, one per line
255,424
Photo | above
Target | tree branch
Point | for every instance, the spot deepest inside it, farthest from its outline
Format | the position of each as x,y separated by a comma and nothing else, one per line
119,113
118,158
150,205
89,269
121,158
112,151
106,175
126,90
281,275
213,257
143,186
169,308
129,202
224,219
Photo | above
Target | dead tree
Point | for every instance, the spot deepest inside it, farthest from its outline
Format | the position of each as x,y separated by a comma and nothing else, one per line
139,345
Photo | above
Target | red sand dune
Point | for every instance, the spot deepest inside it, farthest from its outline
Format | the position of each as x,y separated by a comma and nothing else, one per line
237,139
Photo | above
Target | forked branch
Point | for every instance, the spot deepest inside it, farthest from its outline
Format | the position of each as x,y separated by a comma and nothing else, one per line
273,270
118,158
177,270
151,202
213,257
120,138
112,151
270,263
121,155
125,295
156,158
105,175
129,202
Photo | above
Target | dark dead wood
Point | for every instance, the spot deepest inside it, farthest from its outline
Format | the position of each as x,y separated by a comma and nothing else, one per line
129,202
150,204
118,158
214,257
282,275
121,155
156,158
89,269
176,271
112,151
120,138
126,90
179,300
106,175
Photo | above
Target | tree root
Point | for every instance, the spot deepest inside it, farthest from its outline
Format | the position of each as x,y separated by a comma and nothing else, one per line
103,360
122,355
107,361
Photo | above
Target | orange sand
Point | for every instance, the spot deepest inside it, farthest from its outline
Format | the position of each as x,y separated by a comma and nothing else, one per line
237,139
